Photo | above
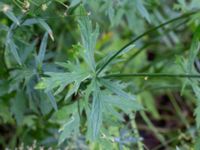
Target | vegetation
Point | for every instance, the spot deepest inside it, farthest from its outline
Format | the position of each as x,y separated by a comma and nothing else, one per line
85,74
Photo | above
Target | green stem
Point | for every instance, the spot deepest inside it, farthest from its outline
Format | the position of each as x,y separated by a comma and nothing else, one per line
152,127
149,44
143,34
137,53
137,135
165,75
178,109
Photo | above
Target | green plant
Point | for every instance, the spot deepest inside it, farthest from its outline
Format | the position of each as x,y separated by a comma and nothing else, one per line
97,95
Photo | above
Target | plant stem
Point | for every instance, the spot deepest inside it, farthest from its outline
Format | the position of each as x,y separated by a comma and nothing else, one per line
149,44
153,128
178,109
146,75
135,129
143,34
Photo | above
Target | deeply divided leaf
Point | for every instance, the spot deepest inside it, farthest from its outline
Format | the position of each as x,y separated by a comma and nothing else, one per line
89,38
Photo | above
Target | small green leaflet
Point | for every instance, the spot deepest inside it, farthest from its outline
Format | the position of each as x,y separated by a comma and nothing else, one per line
196,90
4,87
10,15
105,102
28,50
116,88
73,90
18,107
111,12
74,2
149,103
89,38
24,74
96,113
6,9
5,111
45,103
52,100
101,62
143,11
47,28
42,50
182,5
62,79
194,50
71,126
32,21
109,109
11,46
127,49
126,105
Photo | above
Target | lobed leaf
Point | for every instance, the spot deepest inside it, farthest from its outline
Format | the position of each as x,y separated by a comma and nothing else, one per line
71,126
126,105
96,113
60,80
189,67
89,38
